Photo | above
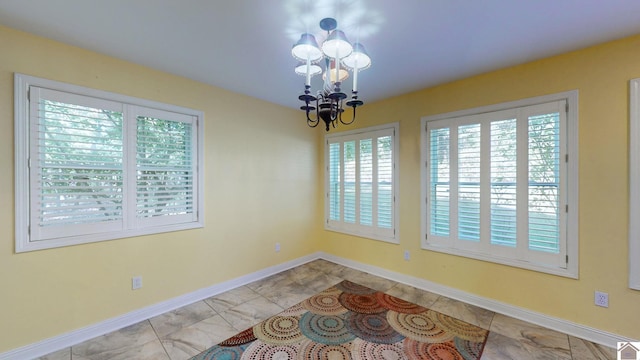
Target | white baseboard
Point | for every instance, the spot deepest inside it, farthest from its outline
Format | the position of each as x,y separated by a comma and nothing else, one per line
561,325
63,341
74,337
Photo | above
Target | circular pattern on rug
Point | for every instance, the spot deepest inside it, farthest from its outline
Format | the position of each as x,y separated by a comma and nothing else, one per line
373,328
353,288
363,350
442,351
469,349
260,351
279,330
313,350
460,328
240,338
418,327
399,305
361,303
295,310
325,304
222,353
325,329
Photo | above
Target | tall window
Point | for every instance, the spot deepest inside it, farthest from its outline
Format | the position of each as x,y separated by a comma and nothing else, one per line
360,179
94,166
500,183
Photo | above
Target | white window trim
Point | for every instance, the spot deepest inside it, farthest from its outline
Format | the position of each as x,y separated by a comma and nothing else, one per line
571,269
22,83
634,188
395,237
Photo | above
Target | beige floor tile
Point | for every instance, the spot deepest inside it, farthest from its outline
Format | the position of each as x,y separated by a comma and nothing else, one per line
463,311
64,354
373,282
414,295
270,283
231,298
152,350
500,347
112,345
288,294
582,349
318,281
250,313
532,335
175,320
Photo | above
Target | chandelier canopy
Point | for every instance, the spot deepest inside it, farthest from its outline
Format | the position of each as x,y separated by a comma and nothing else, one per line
338,57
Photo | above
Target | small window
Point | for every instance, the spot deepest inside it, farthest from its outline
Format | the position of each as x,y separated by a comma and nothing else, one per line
94,166
500,183
361,182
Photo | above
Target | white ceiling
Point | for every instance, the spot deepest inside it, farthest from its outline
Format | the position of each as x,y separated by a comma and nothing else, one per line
244,45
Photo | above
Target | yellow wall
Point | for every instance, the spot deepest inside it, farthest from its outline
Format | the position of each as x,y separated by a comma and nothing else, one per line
601,74
260,163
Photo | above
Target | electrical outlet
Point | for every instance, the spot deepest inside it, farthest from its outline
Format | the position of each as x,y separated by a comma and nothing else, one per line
406,255
601,299
277,247
136,282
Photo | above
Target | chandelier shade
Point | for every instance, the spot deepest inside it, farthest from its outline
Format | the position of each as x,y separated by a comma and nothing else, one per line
336,46
359,59
307,49
340,57
301,69
334,71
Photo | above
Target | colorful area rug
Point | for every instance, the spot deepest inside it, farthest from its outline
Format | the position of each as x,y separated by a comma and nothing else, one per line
351,321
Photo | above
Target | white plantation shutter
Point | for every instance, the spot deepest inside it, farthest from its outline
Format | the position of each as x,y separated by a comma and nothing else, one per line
335,182
385,183
496,184
469,182
94,166
544,182
164,167
439,184
77,150
360,181
504,183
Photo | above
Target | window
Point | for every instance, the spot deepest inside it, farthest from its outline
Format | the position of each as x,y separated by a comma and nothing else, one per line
360,181
94,166
500,183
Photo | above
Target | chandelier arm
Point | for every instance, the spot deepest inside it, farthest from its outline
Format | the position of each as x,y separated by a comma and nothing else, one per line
312,122
353,118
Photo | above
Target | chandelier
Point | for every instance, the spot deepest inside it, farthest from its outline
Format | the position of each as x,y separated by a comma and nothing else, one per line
339,57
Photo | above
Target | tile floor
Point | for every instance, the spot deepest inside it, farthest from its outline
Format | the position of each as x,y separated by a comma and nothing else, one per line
187,331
